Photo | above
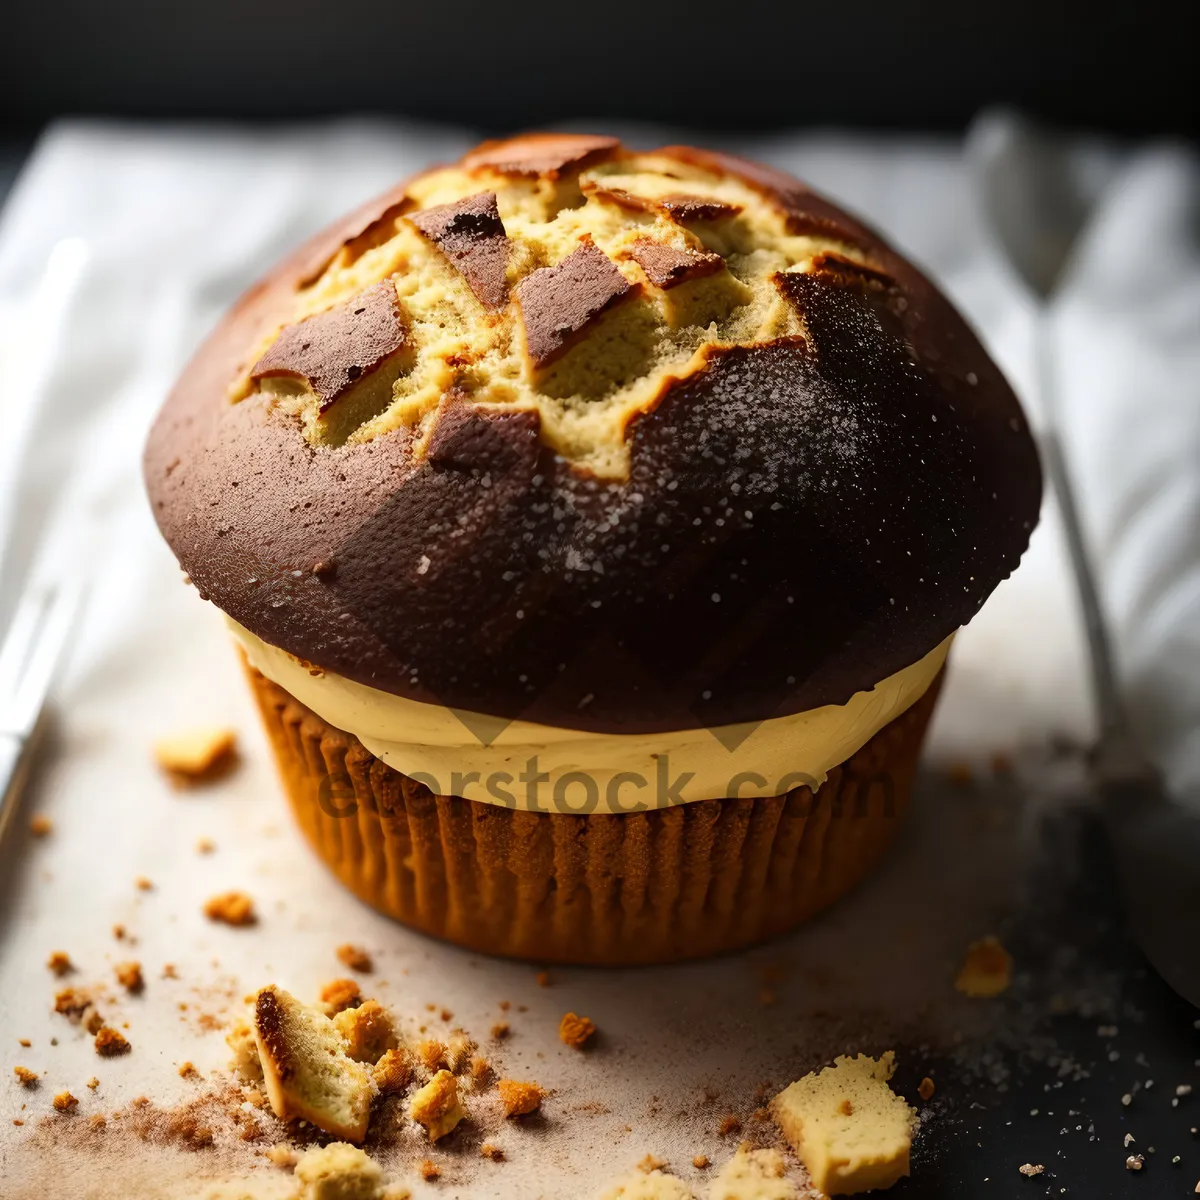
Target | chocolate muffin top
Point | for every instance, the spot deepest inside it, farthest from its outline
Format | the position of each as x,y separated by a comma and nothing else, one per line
601,439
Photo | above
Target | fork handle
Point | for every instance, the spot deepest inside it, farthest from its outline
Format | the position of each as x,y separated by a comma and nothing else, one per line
13,766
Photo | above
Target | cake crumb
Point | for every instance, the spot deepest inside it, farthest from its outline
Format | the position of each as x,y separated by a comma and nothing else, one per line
986,969
436,1106
143,884
231,908
205,845
367,1031
93,1083
24,1042
27,1077
1031,1169
1134,1162
429,1170
187,1070
60,963
93,1022
505,1005
432,1053
118,931
197,755
926,1088
129,976
849,1129
500,1030
71,1002
479,1068
340,994
519,1098
41,826
65,1102
355,957
487,1150
109,1043
169,971
575,1031
729,1124
651,1163
543,978
392,1072
338,1171
281,1155
700,1162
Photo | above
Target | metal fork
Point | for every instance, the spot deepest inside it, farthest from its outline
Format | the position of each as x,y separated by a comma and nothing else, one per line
29,662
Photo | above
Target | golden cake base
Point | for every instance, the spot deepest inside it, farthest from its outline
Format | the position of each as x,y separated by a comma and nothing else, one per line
655,886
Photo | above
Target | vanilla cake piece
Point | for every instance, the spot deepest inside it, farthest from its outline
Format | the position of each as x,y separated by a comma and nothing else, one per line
338,1171
307,1073
437,1106
851,1131
648,1185
754,1175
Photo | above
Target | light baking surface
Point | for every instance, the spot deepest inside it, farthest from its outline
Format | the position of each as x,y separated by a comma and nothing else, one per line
875,973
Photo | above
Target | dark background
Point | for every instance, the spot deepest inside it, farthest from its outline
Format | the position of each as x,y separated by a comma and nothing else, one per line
930,64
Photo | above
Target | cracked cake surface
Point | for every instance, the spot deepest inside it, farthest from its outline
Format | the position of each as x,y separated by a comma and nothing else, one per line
600,438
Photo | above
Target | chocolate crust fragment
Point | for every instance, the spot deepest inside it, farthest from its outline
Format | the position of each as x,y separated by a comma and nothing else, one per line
541,154
668,266
471,235
558,303
335,351
679,206
883,454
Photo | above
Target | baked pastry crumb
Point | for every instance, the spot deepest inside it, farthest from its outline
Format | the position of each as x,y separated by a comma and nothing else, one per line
187,1070
118,931
355,957
231,908
367,1031
392,1072
519,1098
282,1155
459,1049
93,1083
500,1030
93,1022
24,1042
651,1163
754,1175
429,1170
657,1185
65,1102
60,963
479,1068
143,884
240,1039
71,1002
1134,1162
575,1031
339,994
41,826
851,1131
27,1077
197,755
487,1150
129,976
543,978
1029,1170
169,971
432,1053
729,1124
338,1172
926,1088
110,1044
436,1106
306,1071
700,1162
986,969
205,845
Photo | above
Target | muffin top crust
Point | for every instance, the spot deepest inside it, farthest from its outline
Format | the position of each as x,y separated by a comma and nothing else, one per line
602,439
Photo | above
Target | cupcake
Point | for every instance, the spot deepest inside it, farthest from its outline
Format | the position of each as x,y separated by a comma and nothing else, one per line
594,526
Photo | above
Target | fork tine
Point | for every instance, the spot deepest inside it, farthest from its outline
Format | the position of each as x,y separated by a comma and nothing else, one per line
44,659
18,644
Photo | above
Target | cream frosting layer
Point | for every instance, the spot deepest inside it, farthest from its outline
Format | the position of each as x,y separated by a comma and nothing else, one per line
543,768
